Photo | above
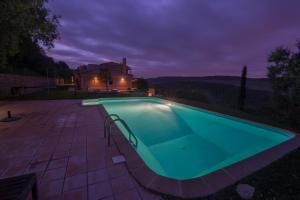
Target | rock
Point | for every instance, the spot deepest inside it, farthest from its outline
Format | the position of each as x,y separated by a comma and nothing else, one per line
245,191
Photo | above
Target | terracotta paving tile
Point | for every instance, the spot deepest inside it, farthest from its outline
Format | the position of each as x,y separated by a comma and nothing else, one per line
96,146
97,176
54,174
37,166
59,155
95,155
112,151
78,194
39,176
99,190
63,143
129,194
95,164
108,198
74,182
45,156
55,197
51,188
121,184
58,163
4,165
63,147
76,165
75,170
117,170
147,195
78,152
15,170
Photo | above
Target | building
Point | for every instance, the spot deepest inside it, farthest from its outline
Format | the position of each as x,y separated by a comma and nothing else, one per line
108,76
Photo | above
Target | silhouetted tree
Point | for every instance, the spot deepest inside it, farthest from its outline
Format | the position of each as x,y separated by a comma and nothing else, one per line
32,60
284,74
22,20
242,96
105,77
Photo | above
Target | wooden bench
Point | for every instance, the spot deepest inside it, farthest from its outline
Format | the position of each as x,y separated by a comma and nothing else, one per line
18,187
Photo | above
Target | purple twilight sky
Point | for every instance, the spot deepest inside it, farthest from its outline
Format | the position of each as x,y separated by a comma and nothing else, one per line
176,37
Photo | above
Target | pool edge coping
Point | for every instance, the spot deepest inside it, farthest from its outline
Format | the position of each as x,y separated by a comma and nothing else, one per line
202,186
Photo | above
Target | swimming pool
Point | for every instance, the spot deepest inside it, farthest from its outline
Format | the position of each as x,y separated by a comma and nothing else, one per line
183,142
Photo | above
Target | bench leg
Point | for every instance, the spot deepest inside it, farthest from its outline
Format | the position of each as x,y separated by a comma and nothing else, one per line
34,192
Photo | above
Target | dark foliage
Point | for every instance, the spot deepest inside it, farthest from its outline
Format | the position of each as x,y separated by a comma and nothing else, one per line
284,74
221,91
31,60
140,84
21,20
25,27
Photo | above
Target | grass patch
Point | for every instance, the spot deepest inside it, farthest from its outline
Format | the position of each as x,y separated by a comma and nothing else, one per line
280,180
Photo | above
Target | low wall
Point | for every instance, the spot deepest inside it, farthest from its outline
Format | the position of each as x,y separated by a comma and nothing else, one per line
11,84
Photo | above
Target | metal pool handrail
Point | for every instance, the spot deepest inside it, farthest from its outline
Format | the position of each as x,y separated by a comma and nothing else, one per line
131,135
107,119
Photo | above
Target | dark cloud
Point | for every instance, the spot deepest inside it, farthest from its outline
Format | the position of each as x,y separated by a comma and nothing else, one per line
176,37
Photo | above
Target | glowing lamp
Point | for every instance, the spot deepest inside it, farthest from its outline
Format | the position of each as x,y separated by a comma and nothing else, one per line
96,79
122,80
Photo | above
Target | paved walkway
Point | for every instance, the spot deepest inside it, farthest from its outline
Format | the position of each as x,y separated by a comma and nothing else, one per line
63,143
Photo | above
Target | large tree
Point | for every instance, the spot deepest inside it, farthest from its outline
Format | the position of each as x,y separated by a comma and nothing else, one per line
21,20
284,74
32,60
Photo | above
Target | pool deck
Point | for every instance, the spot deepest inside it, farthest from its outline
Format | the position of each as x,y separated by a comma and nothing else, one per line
62,142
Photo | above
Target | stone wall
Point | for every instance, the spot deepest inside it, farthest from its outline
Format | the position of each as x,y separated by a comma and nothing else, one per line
11,84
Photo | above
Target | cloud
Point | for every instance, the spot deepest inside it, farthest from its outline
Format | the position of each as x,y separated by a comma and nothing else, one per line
175,37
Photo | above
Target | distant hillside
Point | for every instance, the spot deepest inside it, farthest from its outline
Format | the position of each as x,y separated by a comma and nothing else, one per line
219,90
252,83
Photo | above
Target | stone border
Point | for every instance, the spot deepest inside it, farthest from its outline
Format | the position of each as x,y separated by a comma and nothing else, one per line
201,186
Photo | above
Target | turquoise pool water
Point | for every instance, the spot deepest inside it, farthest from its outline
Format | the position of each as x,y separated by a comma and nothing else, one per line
184,142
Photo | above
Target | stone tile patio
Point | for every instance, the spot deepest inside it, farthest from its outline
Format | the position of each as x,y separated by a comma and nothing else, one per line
62,142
